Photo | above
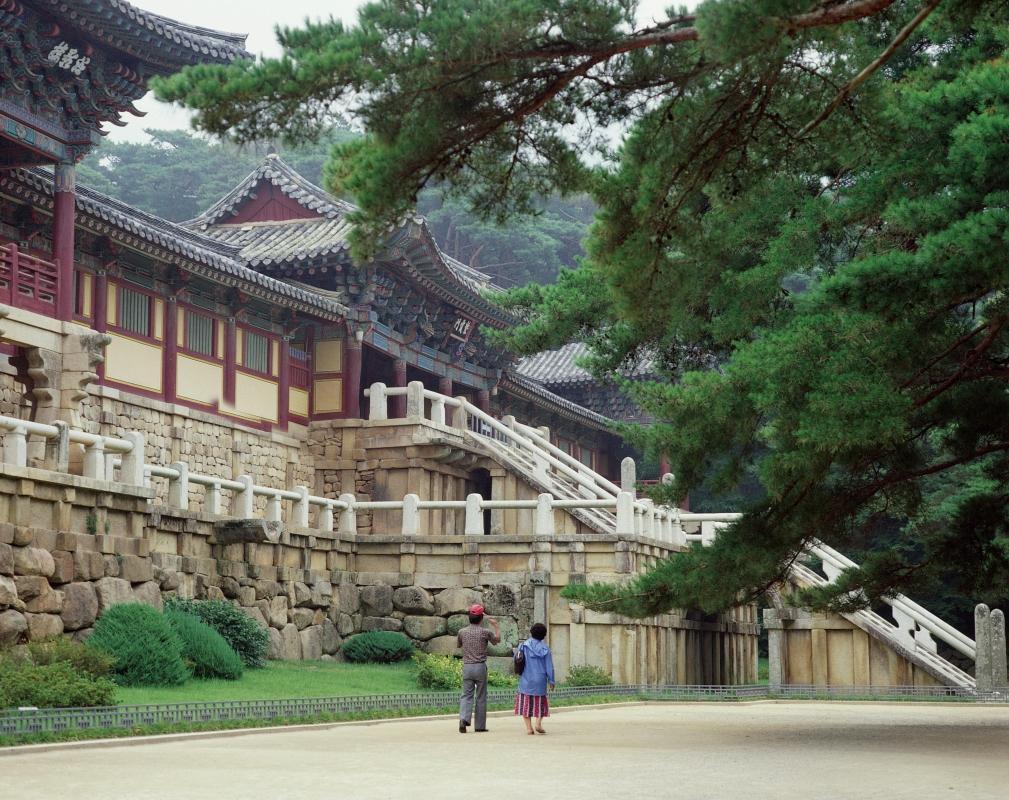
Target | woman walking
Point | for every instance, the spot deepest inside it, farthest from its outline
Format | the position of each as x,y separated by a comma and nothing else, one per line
531,700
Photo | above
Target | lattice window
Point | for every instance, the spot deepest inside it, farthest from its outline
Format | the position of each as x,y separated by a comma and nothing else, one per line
256,355
200,334
135,314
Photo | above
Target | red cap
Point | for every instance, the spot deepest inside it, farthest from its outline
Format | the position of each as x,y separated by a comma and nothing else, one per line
476,608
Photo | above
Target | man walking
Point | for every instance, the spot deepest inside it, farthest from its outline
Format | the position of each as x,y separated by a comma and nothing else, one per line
473,640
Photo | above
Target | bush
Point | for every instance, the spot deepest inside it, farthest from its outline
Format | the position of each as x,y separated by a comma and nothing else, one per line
377,647
445,673
587,675
55,685
82,658
146,650
245,636
204,650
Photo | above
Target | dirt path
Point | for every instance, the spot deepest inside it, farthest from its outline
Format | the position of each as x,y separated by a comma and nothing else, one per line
720,751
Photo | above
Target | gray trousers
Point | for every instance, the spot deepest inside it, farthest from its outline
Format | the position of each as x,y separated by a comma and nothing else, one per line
474,685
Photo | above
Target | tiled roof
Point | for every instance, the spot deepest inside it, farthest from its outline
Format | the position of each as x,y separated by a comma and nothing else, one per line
559,367
538,394
157,41
218,260
287,179
263,244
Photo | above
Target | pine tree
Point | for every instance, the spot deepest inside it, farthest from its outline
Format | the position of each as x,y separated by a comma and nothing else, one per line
811,196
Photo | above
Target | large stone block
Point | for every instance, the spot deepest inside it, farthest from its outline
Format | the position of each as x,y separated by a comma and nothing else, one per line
413,600
64,572
278,611
302,617
456,623
255,614
345,624
149,594
111,566
9,594
80,606
299,595
6,559
442,645
423,628
311,643
381,624
136,569
267,590
509,638
331,639
455,601
348,598
88,565
33,561
275,652
247,596
42,626
290,643
111,592
50,602
31,586
13,627
376,601
230,588
503,599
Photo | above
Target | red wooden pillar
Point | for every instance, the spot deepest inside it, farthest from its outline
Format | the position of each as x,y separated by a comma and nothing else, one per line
284,382
483,400
230,361
445,386
101,301
352,360
169,364
398,409
64,188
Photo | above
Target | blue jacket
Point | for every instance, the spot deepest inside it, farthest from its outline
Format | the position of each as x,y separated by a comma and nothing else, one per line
539,669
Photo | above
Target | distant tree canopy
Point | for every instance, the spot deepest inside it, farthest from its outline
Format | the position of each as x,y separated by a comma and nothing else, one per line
177,175
812,194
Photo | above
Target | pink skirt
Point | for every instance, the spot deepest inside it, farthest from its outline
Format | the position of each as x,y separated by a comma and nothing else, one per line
531,705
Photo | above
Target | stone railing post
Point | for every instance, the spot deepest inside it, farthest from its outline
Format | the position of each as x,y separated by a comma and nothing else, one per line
676,530
348,516
94,461
378,402
243,501
326,518
299,510
625,514
274,508
460,416
544,516
629,475
438,411
178,488
57,457
16,447
212,499
649,520
131,466
474,516
415,400
990,644
411,515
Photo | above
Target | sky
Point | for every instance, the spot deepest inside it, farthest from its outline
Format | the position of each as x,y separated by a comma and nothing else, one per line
258,18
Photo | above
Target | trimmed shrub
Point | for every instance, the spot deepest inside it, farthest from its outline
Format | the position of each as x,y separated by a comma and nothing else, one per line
82,658
445,673
204,650
146,650
55,685
377,647
587,675
244,635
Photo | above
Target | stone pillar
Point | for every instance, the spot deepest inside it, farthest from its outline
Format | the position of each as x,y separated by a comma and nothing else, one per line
398,410
64,193
169,364
284,382
446,387
352,361
230,360
982,641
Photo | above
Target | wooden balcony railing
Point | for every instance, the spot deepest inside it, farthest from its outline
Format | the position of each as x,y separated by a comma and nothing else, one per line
27,281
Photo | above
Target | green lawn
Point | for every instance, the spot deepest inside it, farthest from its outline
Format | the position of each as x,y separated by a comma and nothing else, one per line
284,679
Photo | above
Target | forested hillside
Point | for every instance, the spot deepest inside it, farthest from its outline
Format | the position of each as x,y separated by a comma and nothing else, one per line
177,175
